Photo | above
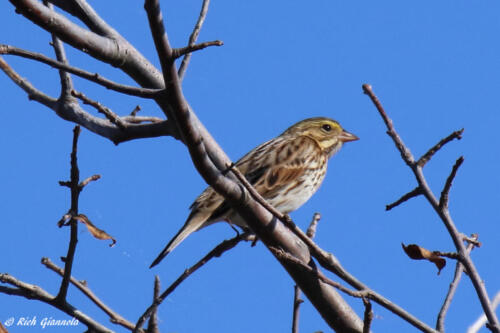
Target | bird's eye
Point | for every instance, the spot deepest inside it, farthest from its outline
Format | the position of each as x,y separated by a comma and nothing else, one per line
326,127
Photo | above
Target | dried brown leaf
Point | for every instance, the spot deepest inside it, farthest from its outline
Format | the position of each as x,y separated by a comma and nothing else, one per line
418,253
95,231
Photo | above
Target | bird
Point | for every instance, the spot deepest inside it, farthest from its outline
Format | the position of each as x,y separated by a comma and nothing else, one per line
286,171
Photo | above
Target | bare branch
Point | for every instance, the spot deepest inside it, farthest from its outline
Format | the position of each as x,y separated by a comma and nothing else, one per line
183,51
153,320
110,115
114,317
71,111
311,231
427,156
193,38
66,82
139,119
75,193
328,260
413,193
93,77
405,152
459,268
443,200
33,93
296,307
163,49
441,208
215,252
368,316
285,256
31,291
114,50
83,11
88,180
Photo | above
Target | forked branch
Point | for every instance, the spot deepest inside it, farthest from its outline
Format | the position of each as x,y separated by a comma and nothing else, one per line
440,206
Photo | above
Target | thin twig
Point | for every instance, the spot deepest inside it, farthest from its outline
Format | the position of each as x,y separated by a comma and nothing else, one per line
99,126
427,156
114,317
75,192
110,115
286,256
88,180
33,93
153,320
368,316
94,77
31,291
183,51
405,152
443,199
192,39
65,78
296,307
459,268
215,252
413,193
311,231
135,110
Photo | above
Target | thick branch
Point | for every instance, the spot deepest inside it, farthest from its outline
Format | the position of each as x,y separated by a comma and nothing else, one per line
209,159
115,51
93,77
71,111
329,261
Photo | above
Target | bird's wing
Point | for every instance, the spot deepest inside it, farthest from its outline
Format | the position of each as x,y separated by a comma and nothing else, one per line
269,169
272,170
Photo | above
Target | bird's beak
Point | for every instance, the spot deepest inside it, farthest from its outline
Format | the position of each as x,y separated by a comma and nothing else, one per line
346,136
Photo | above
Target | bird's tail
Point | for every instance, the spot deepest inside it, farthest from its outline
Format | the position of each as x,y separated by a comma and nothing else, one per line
192,224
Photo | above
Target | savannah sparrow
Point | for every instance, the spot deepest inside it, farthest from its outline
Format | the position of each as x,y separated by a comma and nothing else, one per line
286,171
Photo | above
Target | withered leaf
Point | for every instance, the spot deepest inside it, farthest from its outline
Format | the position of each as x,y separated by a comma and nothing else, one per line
95,231
418,253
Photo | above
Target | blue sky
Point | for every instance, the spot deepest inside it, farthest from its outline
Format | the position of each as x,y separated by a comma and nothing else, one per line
435,67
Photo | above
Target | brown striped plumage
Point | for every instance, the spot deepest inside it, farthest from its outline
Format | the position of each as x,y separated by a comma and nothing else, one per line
286,171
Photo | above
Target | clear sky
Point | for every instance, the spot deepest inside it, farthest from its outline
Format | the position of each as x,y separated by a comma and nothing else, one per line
434,65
